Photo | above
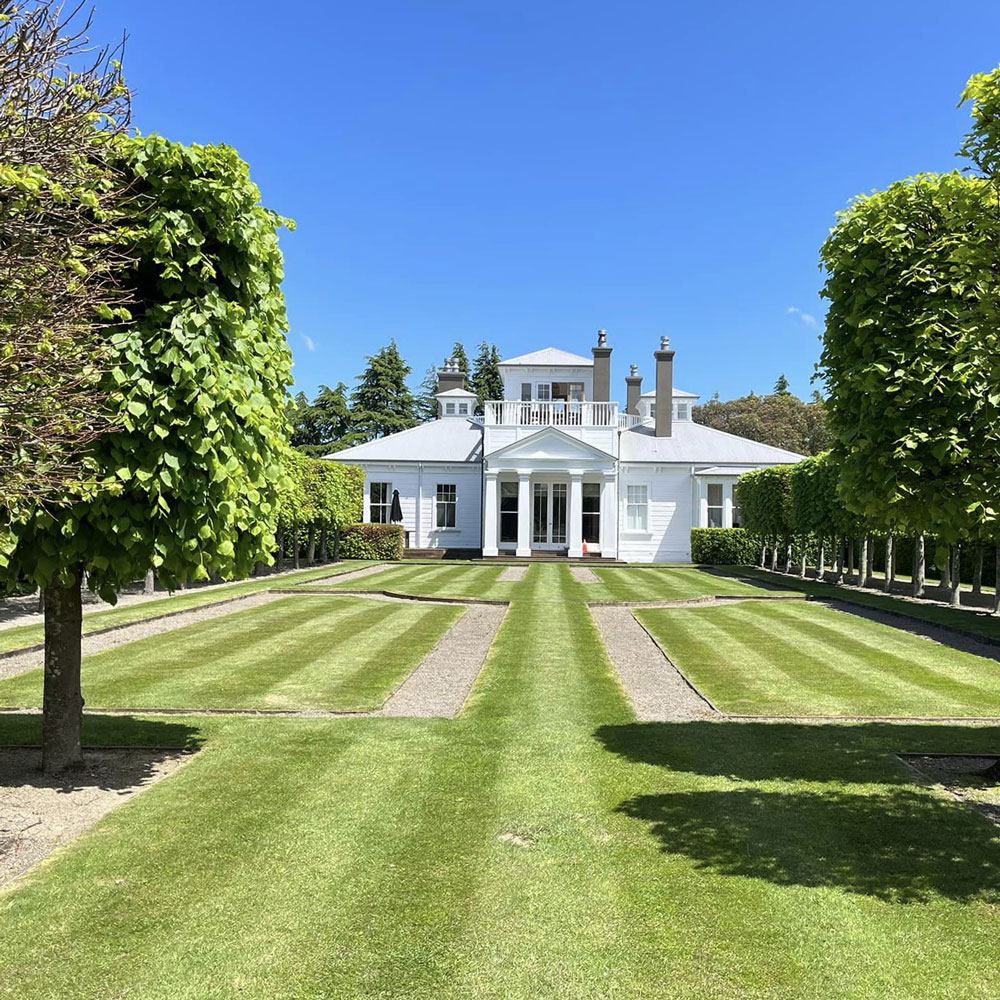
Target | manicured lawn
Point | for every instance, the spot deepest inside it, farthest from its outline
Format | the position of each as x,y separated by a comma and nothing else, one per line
437,580
542,845
20,636
667,583
978,622
800,659
336,654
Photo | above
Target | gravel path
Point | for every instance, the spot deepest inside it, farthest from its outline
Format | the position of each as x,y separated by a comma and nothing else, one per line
39,814
656,689
513,574
10,666
584,574
441,684
933,633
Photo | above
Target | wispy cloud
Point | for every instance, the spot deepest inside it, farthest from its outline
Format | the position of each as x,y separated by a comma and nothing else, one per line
806,318
310,343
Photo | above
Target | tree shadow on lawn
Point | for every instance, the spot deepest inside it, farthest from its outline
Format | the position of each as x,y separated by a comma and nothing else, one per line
896,842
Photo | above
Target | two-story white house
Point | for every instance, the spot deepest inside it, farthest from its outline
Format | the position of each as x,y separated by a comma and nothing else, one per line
556,466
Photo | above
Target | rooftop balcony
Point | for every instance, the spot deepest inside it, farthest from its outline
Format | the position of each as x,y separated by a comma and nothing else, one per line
557,413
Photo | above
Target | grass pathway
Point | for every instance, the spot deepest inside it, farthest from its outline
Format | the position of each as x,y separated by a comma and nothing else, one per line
541,845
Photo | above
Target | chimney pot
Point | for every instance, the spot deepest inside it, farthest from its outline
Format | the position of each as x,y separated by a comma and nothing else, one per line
602,368
664,388
602,338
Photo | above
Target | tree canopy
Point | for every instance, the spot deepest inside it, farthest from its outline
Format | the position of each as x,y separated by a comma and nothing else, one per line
781,420
382,402
486,382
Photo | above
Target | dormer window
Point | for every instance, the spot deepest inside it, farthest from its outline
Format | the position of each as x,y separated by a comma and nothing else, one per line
463,409
449,408
680,411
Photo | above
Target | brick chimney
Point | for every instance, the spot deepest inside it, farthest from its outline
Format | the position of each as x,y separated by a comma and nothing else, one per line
451,376
633,390
602,368
664,388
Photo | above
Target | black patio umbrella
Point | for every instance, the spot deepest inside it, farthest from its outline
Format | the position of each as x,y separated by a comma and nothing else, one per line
396,510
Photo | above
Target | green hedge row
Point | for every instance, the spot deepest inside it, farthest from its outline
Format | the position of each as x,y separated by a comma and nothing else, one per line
724,547
372,541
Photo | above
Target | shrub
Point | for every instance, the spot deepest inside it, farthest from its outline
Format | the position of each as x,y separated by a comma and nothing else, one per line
372,541
724,547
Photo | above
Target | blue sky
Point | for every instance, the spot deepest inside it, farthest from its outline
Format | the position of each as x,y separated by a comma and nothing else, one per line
525,173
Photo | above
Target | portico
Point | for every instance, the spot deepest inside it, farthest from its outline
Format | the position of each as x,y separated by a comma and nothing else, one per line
550,492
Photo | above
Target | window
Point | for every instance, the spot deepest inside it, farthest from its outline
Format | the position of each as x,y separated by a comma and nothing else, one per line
379,502
525,392
682,411
637,508
736,508
714,505
544,392
463,409
445,503
652,410
592,513
449,407
508,512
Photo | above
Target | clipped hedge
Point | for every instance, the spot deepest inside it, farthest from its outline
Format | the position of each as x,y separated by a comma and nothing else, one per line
724,547
372,541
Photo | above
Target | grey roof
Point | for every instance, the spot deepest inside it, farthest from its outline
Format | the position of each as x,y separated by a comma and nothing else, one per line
678,393
722,470
698,444
549,356
449,440
456,393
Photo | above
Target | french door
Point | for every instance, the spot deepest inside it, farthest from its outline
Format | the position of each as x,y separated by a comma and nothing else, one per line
548,515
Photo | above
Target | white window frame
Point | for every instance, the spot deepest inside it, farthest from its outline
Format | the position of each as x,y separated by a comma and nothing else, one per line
720,506
463,409
545,397
385,506
636,506
445,506
681,411
449,409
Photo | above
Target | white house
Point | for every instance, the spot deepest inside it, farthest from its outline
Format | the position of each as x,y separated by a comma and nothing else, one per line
556,466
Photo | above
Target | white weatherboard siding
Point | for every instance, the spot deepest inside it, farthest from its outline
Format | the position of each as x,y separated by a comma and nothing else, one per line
417,484
670,513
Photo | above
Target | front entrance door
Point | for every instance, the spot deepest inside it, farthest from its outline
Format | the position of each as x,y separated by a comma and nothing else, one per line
548,516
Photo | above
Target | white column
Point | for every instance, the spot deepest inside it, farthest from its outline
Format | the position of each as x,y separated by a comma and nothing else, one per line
727,506
609,518
702,505
523,516
575,515
490,508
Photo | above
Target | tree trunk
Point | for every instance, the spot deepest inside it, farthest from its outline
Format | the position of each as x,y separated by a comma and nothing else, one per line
774,557
918,566
763,555
788,557
945,571
863,554
890,563
41,600
295,545
996,587
821,561
324,555
336,546
955,555
62,702
311,546
870,563
802,563
149,586
841,556
977,572
279,559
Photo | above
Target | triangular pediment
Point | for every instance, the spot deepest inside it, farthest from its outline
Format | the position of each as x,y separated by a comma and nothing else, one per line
550,444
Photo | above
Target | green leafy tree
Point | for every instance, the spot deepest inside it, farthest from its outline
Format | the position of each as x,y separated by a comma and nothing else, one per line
318,424
487,382
189,483
382,402
781,420
781,386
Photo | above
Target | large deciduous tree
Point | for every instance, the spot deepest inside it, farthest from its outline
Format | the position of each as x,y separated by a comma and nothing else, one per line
62,105
197,386
781,420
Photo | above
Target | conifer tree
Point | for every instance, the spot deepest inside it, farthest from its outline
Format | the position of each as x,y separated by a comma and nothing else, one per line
462,360
781,386
487,383
382,402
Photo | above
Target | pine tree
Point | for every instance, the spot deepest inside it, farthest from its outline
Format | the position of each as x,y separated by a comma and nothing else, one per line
461,359
781,386
318,424
426,402
487,383
382,402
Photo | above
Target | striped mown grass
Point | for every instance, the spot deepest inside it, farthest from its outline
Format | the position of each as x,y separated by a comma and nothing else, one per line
541,846
803,659
437,580
20,636
667,583
334,654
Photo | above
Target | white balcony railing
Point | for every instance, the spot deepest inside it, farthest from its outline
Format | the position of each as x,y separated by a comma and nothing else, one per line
626,421
557,413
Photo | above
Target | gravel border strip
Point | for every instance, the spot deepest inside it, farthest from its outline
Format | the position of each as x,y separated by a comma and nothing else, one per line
513,574
584,574
19,661
656,689
440,686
